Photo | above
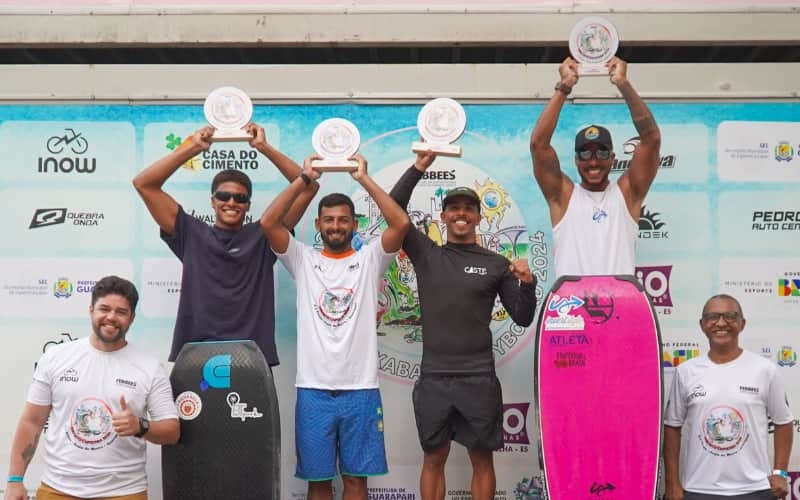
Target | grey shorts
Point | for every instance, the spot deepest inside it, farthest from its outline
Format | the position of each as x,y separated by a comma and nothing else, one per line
756,495
467,409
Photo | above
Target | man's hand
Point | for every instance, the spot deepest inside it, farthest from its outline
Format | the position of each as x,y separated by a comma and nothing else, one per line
779,485
618,71
199,141
521,270
310,171
259,138
568,72
424,159
125,422
362,167
15,491
673,492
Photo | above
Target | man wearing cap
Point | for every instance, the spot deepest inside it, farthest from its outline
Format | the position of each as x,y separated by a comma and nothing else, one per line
458,396
595,223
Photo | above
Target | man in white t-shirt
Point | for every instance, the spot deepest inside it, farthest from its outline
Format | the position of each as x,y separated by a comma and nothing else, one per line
338,414
104,399
718,414
595,222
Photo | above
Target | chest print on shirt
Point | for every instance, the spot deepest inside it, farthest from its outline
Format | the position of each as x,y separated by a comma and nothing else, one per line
336,305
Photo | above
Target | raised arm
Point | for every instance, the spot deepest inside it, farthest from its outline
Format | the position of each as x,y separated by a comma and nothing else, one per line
518,293
401,192
643,167
272,218
396,218
288,168
23,447
162,207
555,185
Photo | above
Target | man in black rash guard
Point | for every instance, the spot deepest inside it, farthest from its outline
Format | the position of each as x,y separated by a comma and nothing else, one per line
458,396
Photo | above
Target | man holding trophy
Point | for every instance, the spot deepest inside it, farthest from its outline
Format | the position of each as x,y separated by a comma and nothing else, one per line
595,223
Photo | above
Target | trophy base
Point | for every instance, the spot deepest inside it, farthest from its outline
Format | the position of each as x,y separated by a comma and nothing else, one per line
592,70
236,135
439,149
335,165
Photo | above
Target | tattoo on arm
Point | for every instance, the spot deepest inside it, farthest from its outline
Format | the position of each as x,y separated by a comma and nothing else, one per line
645,124
30,450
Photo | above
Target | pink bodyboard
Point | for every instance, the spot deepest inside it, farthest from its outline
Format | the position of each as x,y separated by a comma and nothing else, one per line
599,390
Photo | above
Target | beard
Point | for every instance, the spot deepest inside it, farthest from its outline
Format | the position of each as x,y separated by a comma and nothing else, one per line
96,328
335,245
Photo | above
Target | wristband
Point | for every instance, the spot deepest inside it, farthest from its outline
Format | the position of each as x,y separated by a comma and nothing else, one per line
305,178
15,479
563,88
782,473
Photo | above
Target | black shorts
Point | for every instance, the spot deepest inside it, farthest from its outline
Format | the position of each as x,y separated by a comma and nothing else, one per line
757,495
467,409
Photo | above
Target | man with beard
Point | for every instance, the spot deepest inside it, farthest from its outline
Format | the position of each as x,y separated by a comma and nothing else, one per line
339,414
717,421
104,399
595,223
227,290
458,395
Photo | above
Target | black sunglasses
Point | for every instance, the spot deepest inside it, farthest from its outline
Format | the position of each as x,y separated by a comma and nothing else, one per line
600,154
224,196
713,317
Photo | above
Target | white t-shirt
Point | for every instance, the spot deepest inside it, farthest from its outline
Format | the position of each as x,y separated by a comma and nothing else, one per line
84,456
597,234
723,409
337,311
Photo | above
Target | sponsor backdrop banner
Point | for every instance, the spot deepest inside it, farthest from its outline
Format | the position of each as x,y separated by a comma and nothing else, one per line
722,216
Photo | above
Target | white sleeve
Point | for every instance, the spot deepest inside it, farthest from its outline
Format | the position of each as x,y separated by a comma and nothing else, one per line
39,392
379,258
777,401
160,404
292,258
675,414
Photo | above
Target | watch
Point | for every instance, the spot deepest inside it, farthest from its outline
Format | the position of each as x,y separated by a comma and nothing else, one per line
305,178
782,473
144,427
563,87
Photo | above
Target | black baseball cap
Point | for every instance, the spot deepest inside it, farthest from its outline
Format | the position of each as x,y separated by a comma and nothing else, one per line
461,191
593,134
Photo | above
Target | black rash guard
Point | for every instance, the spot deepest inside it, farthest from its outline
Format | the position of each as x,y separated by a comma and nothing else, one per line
457,286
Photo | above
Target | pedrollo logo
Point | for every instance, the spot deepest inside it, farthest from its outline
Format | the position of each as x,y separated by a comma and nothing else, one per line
217,372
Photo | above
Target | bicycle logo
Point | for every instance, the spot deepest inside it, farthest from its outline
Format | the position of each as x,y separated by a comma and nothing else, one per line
76,142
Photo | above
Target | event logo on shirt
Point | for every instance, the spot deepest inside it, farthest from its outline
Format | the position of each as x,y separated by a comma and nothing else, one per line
89,426
217,372
335,306
724,431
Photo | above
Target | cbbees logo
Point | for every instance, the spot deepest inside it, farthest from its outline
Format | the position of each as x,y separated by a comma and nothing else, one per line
655,280
439,175
788,287
67,152
515,416
784,151
620,165
650,225
51,216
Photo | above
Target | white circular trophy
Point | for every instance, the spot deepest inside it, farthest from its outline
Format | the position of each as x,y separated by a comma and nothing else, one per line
228,109
440,122
336,140
592,43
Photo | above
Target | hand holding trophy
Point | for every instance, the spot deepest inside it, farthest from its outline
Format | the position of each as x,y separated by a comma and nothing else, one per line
440,122
336,140
228,110
592,43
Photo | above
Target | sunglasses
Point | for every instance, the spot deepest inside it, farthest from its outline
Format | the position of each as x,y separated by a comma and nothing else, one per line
600,154
729,317
224,196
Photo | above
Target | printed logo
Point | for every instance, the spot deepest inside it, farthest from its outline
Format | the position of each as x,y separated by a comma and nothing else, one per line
62,288
619,165
787,356
776,220
217,372
210,218
67,150
336,305
788,287
599,308
784,151
655,280
48,217
650,226
189,405
697,391
69,375
724,431
529,489
238,410
746,389
570,359
592,133
599,215
564,321
130,384
515,416
673,357
89,426
475,270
